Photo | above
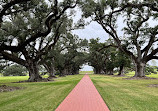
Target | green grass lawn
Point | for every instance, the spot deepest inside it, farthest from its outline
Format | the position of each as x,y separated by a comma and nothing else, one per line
86,72
127,95
41,96
152,75
119,94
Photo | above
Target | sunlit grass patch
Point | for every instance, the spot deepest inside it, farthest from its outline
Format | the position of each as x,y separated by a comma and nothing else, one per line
152,75
127,95
36,96
86,72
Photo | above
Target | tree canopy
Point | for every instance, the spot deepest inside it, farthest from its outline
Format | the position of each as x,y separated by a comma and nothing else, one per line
139,39
34,33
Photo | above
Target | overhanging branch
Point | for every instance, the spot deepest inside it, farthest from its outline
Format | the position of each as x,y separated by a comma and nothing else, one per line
8,5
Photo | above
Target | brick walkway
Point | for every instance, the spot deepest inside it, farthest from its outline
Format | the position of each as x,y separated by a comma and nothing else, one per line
84,97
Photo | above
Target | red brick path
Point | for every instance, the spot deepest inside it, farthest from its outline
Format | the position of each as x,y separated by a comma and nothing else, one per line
84,97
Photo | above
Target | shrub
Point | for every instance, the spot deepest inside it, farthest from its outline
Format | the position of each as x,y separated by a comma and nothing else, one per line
150,69
14,70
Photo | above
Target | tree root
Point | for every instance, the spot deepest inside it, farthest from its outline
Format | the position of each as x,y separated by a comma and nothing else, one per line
5,88
37,80
119,76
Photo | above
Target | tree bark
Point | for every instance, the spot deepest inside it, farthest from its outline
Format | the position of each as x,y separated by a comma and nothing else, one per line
50,69
121,71
97,71
111,72
33,71
105,71
63,72
77,72
140,69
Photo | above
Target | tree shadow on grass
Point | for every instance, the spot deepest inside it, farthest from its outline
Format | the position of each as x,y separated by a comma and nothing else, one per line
5,88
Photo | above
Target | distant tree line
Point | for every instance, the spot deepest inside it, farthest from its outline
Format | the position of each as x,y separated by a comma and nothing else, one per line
106,59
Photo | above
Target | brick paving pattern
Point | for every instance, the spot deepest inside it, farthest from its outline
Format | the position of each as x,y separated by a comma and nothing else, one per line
84,97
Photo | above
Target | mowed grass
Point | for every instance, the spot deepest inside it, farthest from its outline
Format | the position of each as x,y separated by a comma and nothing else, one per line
152,75
86,72
127,95
40,96
118,93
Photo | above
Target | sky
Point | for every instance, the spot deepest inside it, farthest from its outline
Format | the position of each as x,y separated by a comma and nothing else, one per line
86,68
93,30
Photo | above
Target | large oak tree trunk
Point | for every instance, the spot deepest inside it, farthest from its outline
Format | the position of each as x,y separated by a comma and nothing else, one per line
111,72
63,72
33,71
75,72
97,71
140,69
105,71
50,69
121,71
